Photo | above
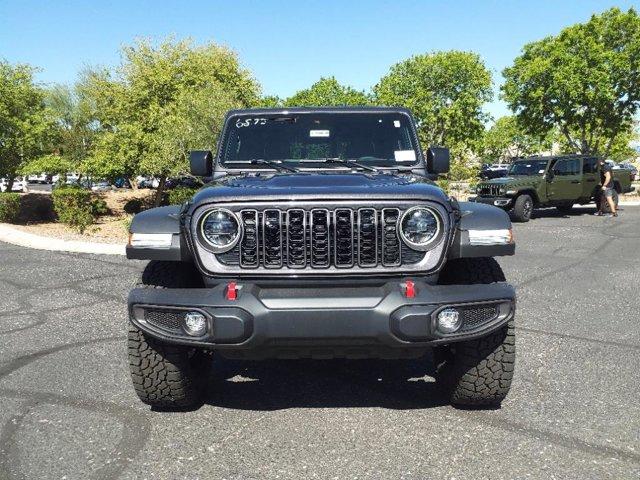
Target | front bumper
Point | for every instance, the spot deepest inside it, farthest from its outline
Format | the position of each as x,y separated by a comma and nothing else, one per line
502,202
322,322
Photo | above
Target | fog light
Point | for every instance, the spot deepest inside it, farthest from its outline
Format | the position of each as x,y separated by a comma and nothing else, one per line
449,320
195,324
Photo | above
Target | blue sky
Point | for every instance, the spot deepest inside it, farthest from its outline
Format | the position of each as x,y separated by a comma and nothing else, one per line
287,45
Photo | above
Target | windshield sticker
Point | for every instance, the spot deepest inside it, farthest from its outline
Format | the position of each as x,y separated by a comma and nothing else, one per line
319,133
541,171
247,122
396,123
405,155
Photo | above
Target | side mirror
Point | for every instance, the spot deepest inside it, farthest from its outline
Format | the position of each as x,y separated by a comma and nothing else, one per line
438,160
201,162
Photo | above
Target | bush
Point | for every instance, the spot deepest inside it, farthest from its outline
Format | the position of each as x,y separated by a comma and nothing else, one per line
9,207
180,195
76,207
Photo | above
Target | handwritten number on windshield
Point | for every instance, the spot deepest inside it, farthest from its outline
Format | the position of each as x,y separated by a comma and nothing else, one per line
247,122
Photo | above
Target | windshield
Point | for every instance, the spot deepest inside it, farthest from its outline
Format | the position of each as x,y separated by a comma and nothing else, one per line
534,167
308,139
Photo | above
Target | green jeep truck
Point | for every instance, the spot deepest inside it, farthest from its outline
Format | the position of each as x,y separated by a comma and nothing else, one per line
549,181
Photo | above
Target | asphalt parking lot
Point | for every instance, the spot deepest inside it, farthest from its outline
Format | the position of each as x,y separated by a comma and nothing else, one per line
69,411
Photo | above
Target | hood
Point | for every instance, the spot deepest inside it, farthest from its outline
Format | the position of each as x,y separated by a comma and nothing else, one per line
515,180
320,186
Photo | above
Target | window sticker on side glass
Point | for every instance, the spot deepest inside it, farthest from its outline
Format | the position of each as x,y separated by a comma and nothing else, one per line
405,155
396,123
319,133
540,171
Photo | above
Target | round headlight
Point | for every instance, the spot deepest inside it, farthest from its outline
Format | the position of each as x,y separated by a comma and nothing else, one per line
221,230
419,227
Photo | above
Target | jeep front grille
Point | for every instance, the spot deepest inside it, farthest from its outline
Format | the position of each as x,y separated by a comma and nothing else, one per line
320,239
489,190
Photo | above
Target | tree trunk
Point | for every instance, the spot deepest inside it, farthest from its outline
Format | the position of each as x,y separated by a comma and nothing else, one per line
10,180
161,183
133,183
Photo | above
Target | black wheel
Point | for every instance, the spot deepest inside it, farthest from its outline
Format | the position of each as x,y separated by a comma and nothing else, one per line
523,208
477,372
167,376
565,209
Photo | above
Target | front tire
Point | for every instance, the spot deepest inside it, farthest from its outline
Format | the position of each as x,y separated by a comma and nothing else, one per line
477,372
167,376
523,208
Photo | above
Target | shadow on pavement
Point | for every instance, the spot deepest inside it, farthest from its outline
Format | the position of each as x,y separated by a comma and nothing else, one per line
554,213
282,384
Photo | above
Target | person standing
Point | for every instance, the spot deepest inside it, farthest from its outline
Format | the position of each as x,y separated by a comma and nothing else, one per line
606,181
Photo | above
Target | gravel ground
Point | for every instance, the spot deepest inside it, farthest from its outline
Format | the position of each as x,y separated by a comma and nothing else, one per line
69,411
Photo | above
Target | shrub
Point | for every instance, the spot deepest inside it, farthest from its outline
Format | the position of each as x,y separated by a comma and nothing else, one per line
180,195
9,207
76,207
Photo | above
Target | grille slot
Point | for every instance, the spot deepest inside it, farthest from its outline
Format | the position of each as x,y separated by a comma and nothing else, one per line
249,244
320,238
391,250
343,234
296,238
272,221
367,237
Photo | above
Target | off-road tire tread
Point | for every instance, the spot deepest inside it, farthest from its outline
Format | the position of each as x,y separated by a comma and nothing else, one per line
163,375
518,208
478,372
483,369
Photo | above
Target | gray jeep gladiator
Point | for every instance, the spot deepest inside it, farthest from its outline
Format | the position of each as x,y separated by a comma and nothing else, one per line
320,234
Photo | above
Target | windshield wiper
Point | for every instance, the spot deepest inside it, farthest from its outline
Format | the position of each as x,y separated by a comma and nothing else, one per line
401,169
272,164
351,163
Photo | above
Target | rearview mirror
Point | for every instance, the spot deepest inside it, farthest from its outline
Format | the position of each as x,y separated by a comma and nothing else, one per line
438,160
201,162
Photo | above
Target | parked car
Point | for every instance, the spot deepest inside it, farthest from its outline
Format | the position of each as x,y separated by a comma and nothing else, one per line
101,186
188,182
122,182
72,178
549,181
632,168
41,178
147,182
495,170
19,185
352,253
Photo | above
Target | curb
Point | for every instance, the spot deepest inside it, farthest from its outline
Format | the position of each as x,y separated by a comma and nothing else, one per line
30,240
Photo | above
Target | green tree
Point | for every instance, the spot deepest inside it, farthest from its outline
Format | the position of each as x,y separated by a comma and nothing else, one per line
445,91
583,82
161,102
506,139
25,123
328,92
620,148
270,101
72,132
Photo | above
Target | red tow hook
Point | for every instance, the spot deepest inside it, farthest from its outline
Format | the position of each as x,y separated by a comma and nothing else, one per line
409,289
232,291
